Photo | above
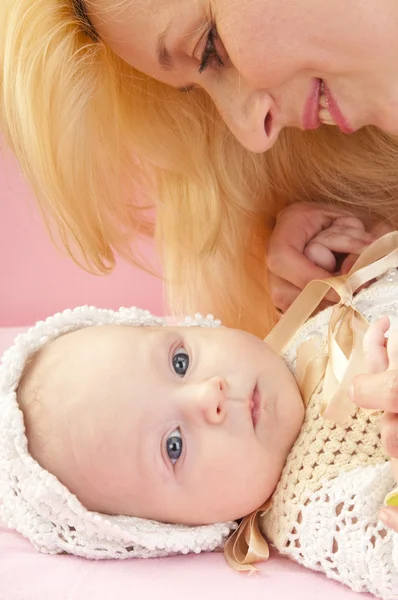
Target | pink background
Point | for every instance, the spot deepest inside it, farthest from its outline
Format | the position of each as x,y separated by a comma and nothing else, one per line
37,279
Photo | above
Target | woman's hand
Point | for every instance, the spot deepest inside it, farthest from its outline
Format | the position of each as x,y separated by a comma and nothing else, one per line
304,244
378,390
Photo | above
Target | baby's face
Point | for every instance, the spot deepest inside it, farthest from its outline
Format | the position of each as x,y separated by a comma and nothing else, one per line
185,425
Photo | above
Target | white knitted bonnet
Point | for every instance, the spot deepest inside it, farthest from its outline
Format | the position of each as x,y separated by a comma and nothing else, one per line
36,504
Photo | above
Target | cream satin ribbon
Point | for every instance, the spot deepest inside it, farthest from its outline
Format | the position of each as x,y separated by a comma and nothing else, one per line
247,544
344,360
347,327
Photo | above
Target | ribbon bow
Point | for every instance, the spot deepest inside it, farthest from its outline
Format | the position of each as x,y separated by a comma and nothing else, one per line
347,327
343,361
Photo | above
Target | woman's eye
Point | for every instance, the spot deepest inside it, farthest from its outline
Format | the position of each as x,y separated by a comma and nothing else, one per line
174,446
211,55
181,362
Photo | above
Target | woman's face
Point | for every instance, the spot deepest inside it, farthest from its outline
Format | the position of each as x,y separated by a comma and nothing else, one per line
266,64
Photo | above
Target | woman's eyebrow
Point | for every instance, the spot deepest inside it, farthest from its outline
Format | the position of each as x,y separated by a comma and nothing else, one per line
164,57
81,12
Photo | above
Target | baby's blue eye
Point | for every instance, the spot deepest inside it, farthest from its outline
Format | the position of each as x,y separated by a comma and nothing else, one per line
174,446
181,362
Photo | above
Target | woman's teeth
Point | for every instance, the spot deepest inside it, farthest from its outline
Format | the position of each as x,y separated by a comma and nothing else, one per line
324,115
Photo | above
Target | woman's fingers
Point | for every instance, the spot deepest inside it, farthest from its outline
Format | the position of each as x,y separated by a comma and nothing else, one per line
347,263
304,245
350,221
346,235
322,250
293,267
283,293
296,226
321,256
344,240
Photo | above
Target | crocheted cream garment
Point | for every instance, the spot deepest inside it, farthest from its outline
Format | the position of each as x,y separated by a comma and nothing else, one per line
37,505
324,511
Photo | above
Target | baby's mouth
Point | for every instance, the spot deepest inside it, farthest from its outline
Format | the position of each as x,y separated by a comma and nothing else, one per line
255,406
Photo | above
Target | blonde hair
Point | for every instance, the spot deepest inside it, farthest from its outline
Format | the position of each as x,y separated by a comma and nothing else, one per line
102,145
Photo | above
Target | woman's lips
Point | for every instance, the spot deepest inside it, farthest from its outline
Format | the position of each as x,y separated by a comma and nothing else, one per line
311,108
335,112
311,119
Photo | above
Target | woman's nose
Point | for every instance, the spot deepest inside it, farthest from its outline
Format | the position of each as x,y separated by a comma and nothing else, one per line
250,116
209,401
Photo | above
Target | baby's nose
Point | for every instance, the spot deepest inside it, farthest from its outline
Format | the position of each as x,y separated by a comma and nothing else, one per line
210,401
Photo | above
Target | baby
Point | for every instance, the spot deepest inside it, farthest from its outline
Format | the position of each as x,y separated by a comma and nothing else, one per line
183,430
166,423
105,413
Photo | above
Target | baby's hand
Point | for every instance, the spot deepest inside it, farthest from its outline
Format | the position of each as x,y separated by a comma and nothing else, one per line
380,352
345,236
381,356
378,390
375,346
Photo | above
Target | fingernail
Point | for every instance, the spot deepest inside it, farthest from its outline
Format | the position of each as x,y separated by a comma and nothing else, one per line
384,515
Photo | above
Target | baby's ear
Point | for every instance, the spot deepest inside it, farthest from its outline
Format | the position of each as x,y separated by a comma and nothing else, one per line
374,346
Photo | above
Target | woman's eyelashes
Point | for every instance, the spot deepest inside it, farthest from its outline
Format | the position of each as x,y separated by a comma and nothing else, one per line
180,362
174,446
211,55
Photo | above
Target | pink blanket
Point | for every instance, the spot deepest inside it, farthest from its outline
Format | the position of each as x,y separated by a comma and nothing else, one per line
27,575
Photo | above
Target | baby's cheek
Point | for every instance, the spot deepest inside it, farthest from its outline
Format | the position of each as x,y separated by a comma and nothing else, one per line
264,475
